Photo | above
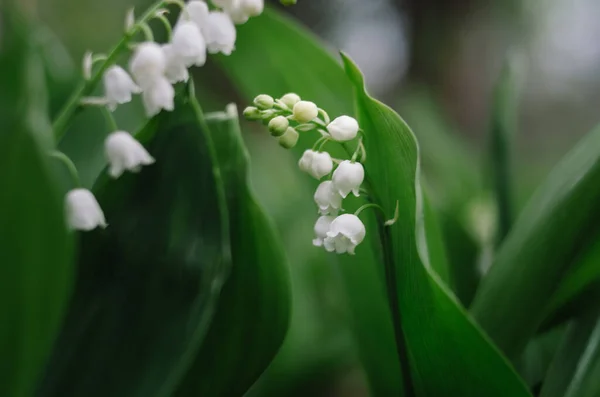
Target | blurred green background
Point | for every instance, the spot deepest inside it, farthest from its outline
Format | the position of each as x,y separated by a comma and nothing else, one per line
435,62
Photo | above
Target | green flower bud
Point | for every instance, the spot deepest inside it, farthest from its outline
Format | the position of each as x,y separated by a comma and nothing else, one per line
278,125
251,113
289,139
264,102
305,111
290,100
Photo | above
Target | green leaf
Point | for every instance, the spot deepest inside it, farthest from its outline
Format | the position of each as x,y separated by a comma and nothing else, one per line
434,328
502,132
36,268
309,70
149,283
576,367
550,233
254,308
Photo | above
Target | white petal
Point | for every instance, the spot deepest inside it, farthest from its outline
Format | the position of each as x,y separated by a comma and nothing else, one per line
148,64
220,33
83,211
189,44
176,70
159,96
343,128
118,86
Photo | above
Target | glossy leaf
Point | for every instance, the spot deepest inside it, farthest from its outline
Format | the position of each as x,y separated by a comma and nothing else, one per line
535,257
148,284
254,308
36,268
443,345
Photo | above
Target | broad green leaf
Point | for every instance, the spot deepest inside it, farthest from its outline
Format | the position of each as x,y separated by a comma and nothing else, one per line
309,70
253,310
551,232
502,131
446,353
36,268
148,284
576,367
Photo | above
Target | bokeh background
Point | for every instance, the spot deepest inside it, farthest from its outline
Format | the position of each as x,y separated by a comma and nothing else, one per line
436,62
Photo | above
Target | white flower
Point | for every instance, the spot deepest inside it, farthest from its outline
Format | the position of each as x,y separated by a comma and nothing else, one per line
118,87
305,111
345,233
158,96
148,64
83,211
253,8
188,44
220,33
305,161
176,70
321,228
343,128
328,199
195,11
124,153
321,165
290,100
316,164
348,177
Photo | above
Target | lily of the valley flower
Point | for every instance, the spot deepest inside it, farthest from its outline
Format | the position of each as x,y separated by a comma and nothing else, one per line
348,177
345,233
321,228
158,96
83,211
188,44
220,33
148,64
328,199
305,111
241,10
195,11
176,70
343,128
290,100
317,164
124,153
118,87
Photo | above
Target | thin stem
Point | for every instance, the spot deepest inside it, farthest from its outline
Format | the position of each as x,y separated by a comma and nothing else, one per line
315,147
72,106
389,222
161,17
63,158
325,140
111,123
147,31
325,116
358,149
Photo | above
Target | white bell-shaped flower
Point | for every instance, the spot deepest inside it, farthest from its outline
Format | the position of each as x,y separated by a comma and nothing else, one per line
196,11
189,44
253,8
345,233
220,33
322,226
158,96
118,87
305,161
343,128
321,165
290,99
148,64
124,153
348,177
305,111
328,199
176,70
83,211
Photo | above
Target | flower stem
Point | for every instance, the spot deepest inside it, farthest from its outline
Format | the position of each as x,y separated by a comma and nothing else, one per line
111,123
63,158
61,123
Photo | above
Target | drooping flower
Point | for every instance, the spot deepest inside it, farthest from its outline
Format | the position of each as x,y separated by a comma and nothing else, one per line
321,165
124,153
83,211
348,177
188,44
345,233
241,10
148,64
158,96
176,70
278,125
305,161
321,228
118,87
219,32
305,111
343,128
195,11
328,199
289,139
290,100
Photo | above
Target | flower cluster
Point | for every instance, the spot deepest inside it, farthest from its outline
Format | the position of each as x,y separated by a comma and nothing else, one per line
286,118
153,70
